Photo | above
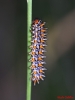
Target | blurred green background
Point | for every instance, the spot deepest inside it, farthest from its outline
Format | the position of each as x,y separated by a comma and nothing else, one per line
59,16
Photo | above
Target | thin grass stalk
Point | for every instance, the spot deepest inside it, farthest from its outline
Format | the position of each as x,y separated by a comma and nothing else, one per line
29,21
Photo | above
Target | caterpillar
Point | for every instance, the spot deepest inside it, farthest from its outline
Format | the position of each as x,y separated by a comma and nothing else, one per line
38,44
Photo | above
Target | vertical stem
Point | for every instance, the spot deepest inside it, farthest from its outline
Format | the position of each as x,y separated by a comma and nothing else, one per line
29,21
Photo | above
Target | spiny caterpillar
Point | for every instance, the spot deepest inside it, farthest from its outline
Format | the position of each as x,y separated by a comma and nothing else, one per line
38,44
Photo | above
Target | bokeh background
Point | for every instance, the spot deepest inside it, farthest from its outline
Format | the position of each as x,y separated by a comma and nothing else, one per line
59,16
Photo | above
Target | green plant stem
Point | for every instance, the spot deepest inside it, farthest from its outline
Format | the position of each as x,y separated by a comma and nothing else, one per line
29,21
